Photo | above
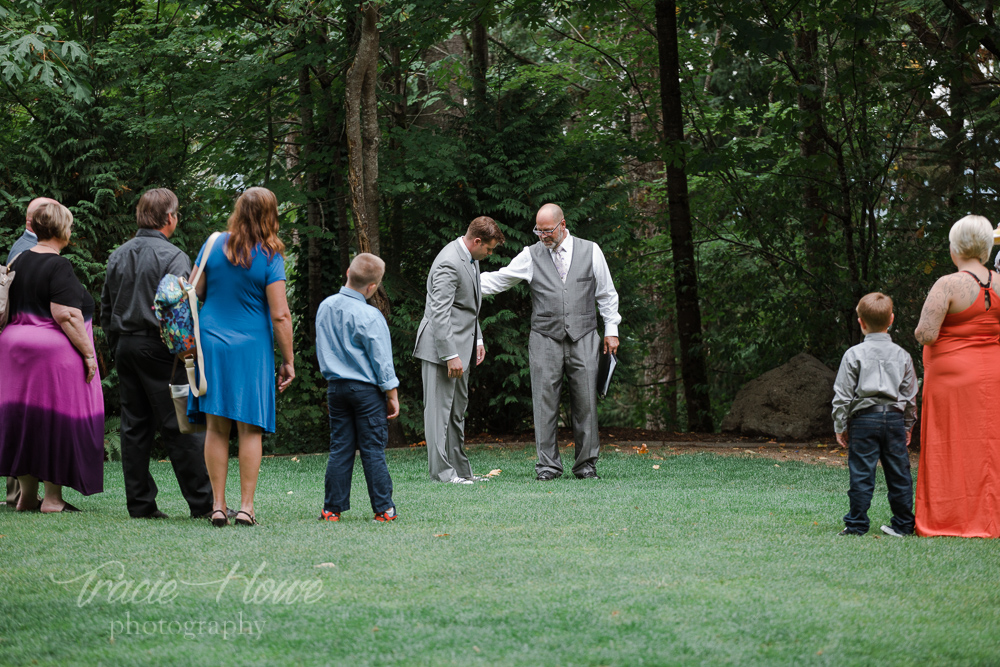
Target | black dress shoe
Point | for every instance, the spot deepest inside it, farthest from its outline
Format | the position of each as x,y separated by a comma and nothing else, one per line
157,514
588,474
546,476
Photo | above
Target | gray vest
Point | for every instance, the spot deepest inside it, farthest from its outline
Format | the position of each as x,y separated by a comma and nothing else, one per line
562,309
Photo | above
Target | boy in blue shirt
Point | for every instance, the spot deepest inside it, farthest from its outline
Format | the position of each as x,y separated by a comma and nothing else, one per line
355,356
875,392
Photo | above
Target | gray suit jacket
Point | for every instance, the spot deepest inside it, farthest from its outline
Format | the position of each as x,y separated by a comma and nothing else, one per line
451,312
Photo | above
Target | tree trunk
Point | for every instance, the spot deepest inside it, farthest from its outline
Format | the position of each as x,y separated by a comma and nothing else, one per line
480,60
693,371
363,139
393,246
314,255
809,103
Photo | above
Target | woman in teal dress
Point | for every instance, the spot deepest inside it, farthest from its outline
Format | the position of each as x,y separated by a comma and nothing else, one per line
243,287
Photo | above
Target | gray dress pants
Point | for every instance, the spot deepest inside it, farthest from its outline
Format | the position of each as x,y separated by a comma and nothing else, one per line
445,401
549,360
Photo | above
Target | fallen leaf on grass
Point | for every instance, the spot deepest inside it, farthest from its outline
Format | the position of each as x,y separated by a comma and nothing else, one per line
656,467
569,444
441,535
494,472
289,493
614,613
325,565
295,458
822,458
475,648
776,465
643,449
375,629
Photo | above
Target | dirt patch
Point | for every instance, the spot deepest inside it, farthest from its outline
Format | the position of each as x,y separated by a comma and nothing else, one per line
609,435
661,444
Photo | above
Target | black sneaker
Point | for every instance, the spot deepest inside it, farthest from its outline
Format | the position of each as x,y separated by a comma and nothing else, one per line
848,531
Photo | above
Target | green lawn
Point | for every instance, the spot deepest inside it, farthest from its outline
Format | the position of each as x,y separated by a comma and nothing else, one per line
707,560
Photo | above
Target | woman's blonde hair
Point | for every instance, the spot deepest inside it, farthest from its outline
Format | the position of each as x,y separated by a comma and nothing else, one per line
254,222
972,238
52,220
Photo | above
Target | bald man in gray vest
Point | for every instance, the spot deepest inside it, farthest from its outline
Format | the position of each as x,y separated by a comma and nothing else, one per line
567,276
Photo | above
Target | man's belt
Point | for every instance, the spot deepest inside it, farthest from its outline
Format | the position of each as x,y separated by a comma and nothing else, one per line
150,333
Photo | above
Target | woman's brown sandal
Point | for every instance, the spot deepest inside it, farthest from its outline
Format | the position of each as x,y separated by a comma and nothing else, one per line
249,521
219,523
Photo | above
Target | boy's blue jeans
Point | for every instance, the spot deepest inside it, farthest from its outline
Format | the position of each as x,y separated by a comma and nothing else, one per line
873,436
357,421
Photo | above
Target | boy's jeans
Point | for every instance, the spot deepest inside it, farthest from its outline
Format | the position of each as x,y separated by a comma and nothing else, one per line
358,420
873,436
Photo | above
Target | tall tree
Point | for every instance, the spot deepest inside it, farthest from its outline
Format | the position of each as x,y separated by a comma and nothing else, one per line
693,369
363,138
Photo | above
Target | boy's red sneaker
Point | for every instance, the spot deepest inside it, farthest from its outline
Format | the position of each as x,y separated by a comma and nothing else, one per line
329,516
388,515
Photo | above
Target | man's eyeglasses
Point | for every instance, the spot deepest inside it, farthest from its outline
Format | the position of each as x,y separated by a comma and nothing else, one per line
546,232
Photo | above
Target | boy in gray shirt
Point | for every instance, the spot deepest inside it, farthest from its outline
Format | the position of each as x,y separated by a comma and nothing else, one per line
875,394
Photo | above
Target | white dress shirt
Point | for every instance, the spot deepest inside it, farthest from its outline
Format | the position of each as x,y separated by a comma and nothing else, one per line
521,268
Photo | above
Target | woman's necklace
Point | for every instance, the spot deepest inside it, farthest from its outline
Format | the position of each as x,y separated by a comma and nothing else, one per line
47,247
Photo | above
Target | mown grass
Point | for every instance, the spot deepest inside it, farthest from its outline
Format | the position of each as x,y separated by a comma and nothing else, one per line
707,560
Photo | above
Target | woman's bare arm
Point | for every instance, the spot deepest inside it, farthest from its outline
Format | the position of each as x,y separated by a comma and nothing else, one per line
70,320
281,318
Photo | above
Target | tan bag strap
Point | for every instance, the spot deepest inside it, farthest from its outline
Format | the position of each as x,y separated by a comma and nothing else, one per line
198,388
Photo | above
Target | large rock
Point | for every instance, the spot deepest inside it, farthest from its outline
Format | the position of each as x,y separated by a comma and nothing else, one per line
790,401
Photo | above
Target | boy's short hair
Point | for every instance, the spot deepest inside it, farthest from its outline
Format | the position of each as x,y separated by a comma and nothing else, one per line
485,228
875,310
366,269
153,208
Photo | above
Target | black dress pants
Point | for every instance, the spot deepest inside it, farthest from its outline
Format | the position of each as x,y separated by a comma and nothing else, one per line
144,366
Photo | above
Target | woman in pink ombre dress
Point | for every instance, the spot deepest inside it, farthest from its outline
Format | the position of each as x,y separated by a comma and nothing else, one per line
51,405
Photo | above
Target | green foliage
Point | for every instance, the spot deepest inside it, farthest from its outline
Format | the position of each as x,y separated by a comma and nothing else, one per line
113,438
814,176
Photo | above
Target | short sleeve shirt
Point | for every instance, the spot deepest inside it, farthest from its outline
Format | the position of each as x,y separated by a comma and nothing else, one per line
42,279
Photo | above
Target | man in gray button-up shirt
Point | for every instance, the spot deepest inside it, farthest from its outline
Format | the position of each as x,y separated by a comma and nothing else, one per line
144,363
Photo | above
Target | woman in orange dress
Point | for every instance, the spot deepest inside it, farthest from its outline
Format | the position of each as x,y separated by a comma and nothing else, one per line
958,480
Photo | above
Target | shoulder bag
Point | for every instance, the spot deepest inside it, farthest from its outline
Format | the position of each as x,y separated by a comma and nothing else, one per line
6,279
176,307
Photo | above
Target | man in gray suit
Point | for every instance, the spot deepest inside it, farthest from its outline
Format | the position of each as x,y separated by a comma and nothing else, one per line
448,338
566,276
